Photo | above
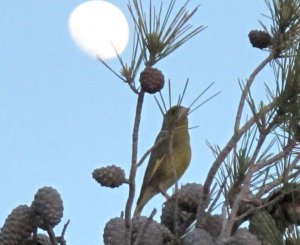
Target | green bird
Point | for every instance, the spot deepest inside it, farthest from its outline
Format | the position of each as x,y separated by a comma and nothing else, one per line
170,157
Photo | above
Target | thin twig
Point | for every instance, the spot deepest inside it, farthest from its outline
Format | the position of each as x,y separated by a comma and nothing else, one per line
264,205
214,202
247,89
61,239
133,169
267,187
287,149
51,235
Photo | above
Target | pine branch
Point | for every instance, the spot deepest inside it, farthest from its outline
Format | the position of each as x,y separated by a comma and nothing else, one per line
221,157
135,137
245,185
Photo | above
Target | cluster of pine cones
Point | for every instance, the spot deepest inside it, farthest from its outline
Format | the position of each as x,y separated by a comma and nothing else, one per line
45,212
179,214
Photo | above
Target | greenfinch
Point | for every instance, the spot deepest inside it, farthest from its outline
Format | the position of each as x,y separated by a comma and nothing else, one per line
169,158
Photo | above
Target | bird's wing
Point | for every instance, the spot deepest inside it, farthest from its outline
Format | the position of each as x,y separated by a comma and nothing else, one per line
157,157
156,166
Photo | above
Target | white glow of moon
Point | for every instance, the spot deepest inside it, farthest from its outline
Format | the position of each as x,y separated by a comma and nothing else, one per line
99,28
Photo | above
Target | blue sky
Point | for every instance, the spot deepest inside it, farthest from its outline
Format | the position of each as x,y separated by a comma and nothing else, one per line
63,114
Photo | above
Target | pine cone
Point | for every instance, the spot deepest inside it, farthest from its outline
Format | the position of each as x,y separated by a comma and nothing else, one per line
152,80
290,204
197,237
109,176
148,231
48,207
18,226
114,232
189,196
168,238
260,39
183,218
286,211
244,237
213,224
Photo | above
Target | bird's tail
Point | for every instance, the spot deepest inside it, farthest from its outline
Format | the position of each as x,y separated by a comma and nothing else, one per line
141,202
144,197
138,210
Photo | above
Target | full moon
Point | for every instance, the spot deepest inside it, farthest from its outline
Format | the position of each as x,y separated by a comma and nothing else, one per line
99,28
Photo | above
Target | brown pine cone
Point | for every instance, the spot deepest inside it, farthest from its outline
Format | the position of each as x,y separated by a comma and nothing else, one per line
189,196
152,80
149,232
109,176
260,39
213,224
48,207
114,232
182,218
18,226
244,237
197,237
286,210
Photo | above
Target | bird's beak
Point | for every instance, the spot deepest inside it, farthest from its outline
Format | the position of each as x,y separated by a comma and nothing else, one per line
184,112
